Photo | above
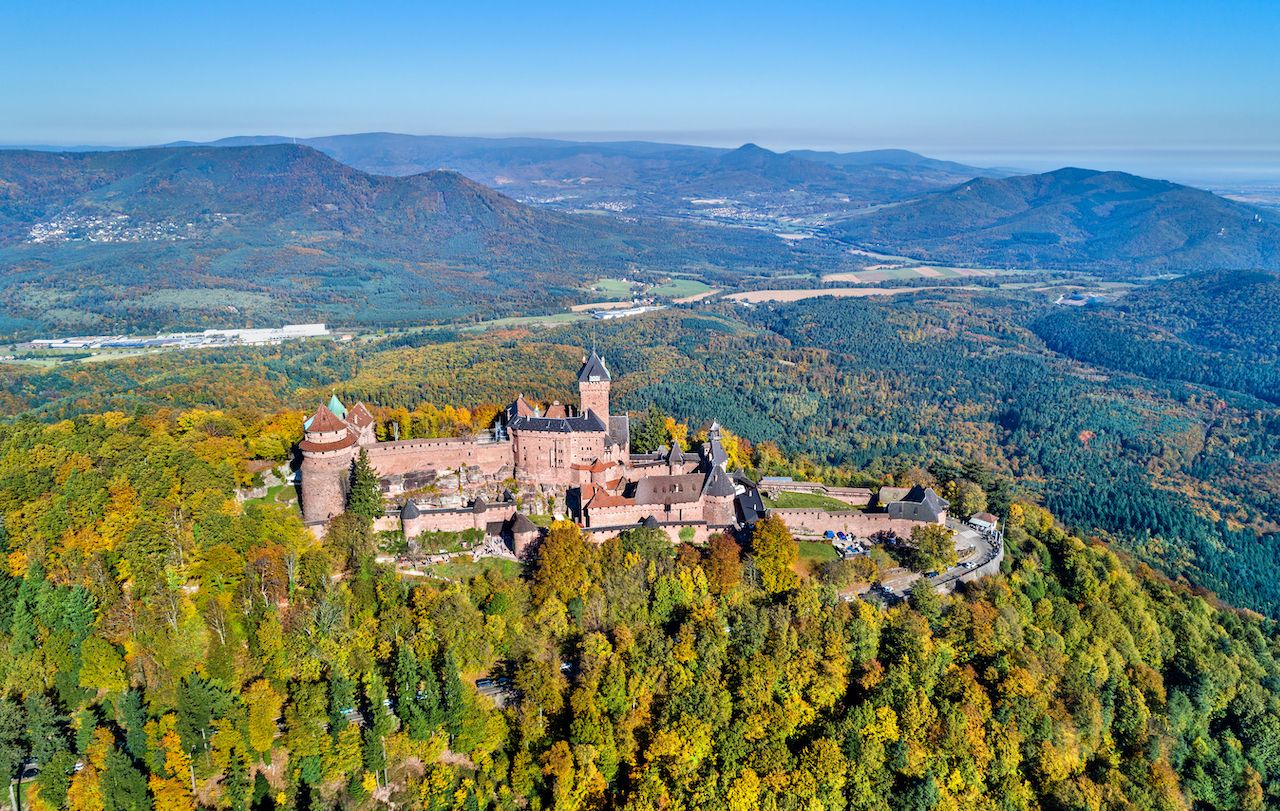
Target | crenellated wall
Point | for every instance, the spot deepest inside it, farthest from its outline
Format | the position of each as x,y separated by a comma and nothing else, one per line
457,520
443,453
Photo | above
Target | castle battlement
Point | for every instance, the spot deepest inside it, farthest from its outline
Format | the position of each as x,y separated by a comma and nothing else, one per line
577,459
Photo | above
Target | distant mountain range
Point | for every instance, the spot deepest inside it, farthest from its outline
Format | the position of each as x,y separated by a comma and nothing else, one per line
121,239
1076,219
258,229
749,184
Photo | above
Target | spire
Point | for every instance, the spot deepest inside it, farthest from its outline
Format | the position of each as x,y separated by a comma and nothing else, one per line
336,406
593,370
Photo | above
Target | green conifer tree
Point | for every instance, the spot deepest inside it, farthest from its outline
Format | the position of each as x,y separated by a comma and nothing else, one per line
364,497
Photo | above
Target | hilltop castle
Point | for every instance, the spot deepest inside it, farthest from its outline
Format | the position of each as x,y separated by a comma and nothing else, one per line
577,461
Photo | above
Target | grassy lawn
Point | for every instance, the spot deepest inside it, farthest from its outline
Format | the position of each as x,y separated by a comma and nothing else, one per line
679,288
282,493
613,288
819,501
466,569
813,554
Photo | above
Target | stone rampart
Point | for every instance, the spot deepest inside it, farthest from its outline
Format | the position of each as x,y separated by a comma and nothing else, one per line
813,521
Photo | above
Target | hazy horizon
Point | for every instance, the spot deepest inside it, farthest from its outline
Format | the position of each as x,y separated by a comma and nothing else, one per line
1204,165
1181,89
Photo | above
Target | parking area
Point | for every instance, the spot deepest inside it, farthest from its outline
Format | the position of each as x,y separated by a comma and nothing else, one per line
974,548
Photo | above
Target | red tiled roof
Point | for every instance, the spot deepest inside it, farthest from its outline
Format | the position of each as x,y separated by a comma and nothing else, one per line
522,407
319,447
596,496
598,466
359,416
325,421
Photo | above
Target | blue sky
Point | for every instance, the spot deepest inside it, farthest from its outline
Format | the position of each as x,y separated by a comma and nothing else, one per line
992,82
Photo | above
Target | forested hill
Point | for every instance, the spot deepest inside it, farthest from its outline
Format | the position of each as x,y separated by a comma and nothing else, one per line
1074,218
164,646
630,167
108,241
1220,329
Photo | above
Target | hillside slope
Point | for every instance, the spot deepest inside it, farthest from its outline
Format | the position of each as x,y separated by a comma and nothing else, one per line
1074,218
646,177
129,239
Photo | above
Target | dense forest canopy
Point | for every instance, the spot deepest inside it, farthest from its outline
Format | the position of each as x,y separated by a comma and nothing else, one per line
157,634
1176,463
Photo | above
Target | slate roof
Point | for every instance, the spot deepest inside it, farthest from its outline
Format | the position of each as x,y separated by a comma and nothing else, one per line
919,504
719,484
521,524
409,510
713,449
679,489
925,495
588,422
593,370
750,507
620,429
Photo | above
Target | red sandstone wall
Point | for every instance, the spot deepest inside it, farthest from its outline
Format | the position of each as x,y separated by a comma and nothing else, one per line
701,534
324,486
815,522
457,520
635,513
595,397
411,455
533,452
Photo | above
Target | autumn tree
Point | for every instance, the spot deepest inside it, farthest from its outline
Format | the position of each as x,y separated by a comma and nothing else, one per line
561,569
649,432
775,552
931,548
967,498
723,563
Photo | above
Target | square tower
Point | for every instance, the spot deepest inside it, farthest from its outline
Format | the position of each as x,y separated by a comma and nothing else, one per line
593,386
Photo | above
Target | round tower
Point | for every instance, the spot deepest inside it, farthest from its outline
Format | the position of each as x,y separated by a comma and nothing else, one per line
328,449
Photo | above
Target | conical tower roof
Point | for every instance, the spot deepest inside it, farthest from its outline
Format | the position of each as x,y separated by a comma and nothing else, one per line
336,406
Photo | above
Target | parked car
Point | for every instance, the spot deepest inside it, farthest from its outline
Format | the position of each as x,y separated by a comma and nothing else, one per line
828,535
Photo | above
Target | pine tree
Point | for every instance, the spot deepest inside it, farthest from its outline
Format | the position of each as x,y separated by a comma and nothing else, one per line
364,497
649,433
452,696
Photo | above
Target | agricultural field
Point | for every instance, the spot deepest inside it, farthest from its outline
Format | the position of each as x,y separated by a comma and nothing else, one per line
885,273
757,296
613,288
680,289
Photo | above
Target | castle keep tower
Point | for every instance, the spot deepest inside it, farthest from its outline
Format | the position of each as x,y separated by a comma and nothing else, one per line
328,448
593,387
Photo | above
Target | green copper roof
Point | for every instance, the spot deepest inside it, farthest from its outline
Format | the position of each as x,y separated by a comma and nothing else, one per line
336,406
